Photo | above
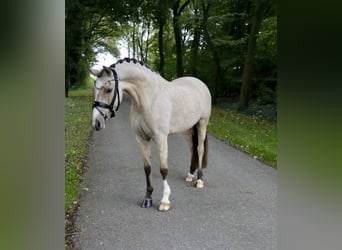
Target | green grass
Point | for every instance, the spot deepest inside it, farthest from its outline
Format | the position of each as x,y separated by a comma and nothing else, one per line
249,134
78,130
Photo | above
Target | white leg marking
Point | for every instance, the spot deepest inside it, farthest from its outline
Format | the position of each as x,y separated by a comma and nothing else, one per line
199,184
165,202
189,178
166,192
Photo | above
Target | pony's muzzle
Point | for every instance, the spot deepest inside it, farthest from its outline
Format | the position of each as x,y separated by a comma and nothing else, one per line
98,121
98,125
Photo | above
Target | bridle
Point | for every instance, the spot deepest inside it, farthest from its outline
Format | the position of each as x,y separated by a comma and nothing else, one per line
97,104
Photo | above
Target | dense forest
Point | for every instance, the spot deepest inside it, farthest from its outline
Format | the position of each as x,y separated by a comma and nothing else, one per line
229,44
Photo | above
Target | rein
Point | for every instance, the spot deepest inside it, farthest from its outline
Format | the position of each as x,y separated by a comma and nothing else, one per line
97,104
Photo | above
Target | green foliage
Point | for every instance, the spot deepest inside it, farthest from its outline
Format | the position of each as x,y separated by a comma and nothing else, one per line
267,40
266,62
97,26
91,27
265,95
77,132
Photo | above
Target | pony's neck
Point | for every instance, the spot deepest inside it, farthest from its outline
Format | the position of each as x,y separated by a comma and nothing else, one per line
139,82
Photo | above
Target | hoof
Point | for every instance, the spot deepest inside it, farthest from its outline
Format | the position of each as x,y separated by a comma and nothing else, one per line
146,203
189,178
199,184
164,206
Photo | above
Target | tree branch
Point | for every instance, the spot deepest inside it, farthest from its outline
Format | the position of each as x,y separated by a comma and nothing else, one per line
183,6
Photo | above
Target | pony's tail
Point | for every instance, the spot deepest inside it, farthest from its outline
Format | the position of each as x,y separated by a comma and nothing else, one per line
205,153
194,160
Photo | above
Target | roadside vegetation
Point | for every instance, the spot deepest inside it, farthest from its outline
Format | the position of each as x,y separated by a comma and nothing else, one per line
250,134
77,133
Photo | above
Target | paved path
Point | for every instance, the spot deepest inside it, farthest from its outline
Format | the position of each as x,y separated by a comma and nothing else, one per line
235,210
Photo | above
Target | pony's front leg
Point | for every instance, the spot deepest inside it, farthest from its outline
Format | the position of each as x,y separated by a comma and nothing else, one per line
146,153
165,203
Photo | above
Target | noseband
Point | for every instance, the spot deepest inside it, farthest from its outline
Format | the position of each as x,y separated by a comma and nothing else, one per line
97,104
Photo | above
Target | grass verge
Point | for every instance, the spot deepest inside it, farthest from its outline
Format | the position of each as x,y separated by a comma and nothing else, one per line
77,132
249,134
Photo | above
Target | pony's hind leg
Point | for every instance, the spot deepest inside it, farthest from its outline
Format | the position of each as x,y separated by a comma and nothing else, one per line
202,150
145,148
191,138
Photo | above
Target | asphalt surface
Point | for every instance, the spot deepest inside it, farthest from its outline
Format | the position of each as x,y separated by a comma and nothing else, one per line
237,208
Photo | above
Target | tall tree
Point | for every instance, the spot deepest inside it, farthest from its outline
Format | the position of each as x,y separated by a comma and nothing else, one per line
183,33
87,25
177,10
216,59
73,45
160,16
161,23
261,8
195,42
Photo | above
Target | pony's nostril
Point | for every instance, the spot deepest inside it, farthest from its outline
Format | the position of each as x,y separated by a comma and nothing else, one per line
97,125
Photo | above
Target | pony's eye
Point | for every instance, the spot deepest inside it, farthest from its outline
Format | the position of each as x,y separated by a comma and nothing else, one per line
97,84
108,91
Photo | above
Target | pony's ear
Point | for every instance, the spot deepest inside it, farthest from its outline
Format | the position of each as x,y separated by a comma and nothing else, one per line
94,72
107,70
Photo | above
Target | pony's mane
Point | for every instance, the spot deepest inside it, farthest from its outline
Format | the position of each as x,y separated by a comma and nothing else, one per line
133,60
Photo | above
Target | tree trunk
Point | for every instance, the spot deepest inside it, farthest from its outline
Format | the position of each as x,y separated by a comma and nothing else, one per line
133,41
147,41
140,45
249,61
194,45
66,87
177,11
177,32
213,51
73,46
161,48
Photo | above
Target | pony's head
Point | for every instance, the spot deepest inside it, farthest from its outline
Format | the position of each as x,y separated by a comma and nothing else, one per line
107,96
